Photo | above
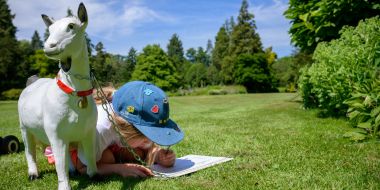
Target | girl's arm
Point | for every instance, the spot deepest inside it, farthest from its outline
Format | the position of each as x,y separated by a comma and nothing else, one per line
107,166
125,170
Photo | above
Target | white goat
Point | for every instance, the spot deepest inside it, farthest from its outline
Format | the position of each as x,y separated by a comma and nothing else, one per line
58,111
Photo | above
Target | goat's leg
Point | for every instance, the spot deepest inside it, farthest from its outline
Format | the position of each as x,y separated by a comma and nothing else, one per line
88,146
30,153
60,151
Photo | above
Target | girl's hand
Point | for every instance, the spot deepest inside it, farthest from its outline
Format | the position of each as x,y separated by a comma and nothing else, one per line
135,170
165,158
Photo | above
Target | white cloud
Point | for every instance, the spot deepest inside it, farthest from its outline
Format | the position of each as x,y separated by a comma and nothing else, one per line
272,26
106,18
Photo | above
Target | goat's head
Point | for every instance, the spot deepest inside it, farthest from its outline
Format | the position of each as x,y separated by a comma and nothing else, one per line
66,36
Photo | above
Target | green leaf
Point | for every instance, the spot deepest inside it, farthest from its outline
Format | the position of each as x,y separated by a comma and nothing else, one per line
377,120
353,114
309,26
304,17
358,105
367,101
365,125
375,112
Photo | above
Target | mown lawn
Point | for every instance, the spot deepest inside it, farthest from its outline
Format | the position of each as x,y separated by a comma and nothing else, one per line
274,142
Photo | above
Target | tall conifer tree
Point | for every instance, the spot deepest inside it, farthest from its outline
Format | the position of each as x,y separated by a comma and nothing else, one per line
209,49
175,52
244,38
220,51
36,42
126,70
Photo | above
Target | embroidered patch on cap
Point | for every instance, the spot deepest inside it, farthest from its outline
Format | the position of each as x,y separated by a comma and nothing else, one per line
148,92
131,109
155,109
163,121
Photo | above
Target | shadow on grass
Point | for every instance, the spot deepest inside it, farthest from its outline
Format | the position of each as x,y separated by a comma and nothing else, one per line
85,181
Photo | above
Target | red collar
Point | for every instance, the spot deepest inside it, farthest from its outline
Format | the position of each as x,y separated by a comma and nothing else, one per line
69,90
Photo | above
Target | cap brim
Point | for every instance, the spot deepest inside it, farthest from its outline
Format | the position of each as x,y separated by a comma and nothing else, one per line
164,135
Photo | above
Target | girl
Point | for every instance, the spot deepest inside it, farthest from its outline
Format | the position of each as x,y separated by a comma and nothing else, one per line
142,117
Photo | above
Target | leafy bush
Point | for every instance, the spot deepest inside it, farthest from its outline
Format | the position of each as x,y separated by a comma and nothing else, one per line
12,94
364,110
210,90
342,69
217,92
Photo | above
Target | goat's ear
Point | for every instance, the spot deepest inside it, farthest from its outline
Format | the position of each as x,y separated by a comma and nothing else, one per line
48,21
82,14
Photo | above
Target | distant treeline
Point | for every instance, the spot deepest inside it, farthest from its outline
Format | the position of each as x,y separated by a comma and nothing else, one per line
235,57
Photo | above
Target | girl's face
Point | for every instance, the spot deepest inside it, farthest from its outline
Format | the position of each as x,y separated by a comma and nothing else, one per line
140,142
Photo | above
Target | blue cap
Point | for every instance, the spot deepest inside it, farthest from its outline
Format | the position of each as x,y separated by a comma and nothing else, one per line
146,107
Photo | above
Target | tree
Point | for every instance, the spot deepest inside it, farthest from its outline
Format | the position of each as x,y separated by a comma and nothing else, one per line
25,68
220,51
69,12
46,34
127,68
284,73
175,52
244,38
227,69
196,76
191,54
321,20
271,56
229,25
154,65
253,72
9,52
42,65
201,56
36,42
213,75
99,65
209,50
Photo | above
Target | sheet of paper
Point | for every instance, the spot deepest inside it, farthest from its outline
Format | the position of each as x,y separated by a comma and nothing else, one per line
188,164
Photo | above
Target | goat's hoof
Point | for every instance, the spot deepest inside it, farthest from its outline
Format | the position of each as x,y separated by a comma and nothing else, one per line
73,173
97,177
32,177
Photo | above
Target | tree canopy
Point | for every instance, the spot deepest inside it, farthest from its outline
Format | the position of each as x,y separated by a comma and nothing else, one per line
316,21
154,65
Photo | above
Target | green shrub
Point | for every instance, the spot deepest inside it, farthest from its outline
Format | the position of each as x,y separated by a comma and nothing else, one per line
12,94
217,92
342,68
253,72
364,110
210,90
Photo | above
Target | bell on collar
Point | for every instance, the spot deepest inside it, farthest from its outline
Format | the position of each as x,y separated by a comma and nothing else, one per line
82,102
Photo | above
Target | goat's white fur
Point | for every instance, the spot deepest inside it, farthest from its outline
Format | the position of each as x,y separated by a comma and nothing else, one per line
48,114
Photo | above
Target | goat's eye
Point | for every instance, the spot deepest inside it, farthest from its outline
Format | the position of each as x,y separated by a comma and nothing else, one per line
71,26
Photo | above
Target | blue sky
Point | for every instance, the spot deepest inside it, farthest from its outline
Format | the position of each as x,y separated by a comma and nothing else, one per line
122,24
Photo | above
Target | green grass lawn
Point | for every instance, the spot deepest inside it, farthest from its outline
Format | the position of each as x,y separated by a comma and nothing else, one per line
274,142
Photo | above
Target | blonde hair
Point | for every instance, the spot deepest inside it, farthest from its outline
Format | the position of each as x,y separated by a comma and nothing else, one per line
128,131
108,92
